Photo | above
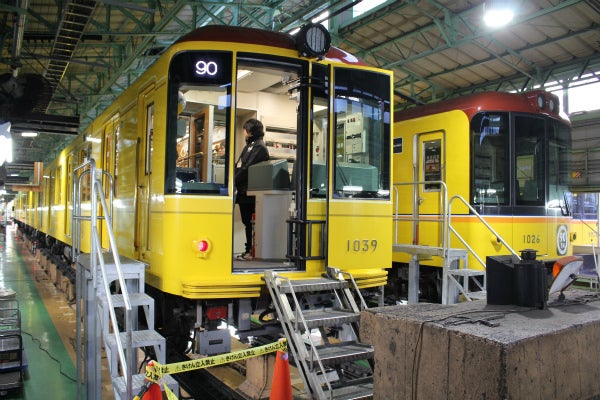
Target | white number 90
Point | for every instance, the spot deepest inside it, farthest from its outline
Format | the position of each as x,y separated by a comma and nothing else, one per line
206,68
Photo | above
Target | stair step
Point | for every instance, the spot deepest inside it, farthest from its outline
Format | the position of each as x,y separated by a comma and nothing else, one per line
139,339
479,295
354,392
327,317
467,272
339,353
136,299
143,338
137,382
132,269
313,285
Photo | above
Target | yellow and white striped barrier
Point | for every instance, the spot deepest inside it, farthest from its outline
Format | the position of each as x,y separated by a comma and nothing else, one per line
156,371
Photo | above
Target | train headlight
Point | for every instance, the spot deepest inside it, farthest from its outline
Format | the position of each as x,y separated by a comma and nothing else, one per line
201,247
552,105
313,40
541,101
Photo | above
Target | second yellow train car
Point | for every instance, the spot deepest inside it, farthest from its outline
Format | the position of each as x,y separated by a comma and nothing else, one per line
505,156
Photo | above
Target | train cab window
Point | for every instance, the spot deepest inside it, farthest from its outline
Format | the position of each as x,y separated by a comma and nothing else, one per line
489,155
529,160
362,132
197,139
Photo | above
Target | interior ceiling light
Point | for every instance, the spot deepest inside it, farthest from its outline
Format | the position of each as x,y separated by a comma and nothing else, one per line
29,134
498,13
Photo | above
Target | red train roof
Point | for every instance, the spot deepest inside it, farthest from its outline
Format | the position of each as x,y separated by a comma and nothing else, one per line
238,34
490,101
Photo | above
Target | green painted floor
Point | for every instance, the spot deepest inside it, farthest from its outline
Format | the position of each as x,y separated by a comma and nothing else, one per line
50,372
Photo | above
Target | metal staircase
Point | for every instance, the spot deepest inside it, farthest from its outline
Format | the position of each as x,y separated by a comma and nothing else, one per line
320,318
458,278
107,282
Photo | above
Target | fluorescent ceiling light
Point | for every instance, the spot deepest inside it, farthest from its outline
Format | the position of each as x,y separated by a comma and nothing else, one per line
243,73
498,13
29,134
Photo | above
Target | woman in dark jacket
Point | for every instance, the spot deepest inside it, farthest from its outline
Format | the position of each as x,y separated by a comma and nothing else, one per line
254,152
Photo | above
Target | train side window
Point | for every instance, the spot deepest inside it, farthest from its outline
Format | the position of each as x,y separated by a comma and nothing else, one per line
362,135
489,156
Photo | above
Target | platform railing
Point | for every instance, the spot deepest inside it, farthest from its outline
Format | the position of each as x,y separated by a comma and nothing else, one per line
444,219
499,238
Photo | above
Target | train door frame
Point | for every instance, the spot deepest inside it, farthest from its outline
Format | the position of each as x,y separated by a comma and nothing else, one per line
429,159
240,114
146,112
358,202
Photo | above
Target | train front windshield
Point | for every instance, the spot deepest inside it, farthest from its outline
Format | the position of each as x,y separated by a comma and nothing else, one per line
199,103
519,160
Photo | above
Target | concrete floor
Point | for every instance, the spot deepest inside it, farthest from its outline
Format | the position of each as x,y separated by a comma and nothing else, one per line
46,319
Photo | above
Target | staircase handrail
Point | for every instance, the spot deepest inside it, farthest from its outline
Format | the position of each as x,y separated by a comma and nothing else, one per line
298,313
96,252
590,227
334,273
499,238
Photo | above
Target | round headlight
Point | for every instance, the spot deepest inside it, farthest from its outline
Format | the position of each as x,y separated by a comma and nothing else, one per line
552,105
313,40
541,101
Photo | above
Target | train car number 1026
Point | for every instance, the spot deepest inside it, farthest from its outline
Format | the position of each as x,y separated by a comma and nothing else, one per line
361,245
529,239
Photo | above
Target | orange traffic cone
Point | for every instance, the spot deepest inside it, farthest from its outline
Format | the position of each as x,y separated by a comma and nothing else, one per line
281,387
153,393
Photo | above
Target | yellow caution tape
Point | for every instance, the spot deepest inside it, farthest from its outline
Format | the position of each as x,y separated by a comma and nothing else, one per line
155,371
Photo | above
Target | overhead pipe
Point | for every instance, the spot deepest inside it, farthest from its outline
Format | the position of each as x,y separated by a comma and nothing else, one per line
19,32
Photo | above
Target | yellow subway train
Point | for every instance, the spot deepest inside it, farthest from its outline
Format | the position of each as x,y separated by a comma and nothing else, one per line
171,142
487,160
347,178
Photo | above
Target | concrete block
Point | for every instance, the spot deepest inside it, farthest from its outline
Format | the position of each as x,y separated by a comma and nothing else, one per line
58,277
478,351
51,268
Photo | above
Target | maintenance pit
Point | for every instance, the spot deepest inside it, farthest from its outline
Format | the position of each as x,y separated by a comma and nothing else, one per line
473,350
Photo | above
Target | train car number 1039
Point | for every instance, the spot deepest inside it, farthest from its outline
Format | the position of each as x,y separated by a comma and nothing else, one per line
361,245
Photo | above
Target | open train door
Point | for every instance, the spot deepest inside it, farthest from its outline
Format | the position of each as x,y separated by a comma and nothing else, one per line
359,208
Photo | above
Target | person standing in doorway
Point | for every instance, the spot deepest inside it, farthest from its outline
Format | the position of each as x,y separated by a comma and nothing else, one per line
254,152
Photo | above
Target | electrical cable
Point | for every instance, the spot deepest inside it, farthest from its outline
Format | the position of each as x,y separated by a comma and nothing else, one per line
34,339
